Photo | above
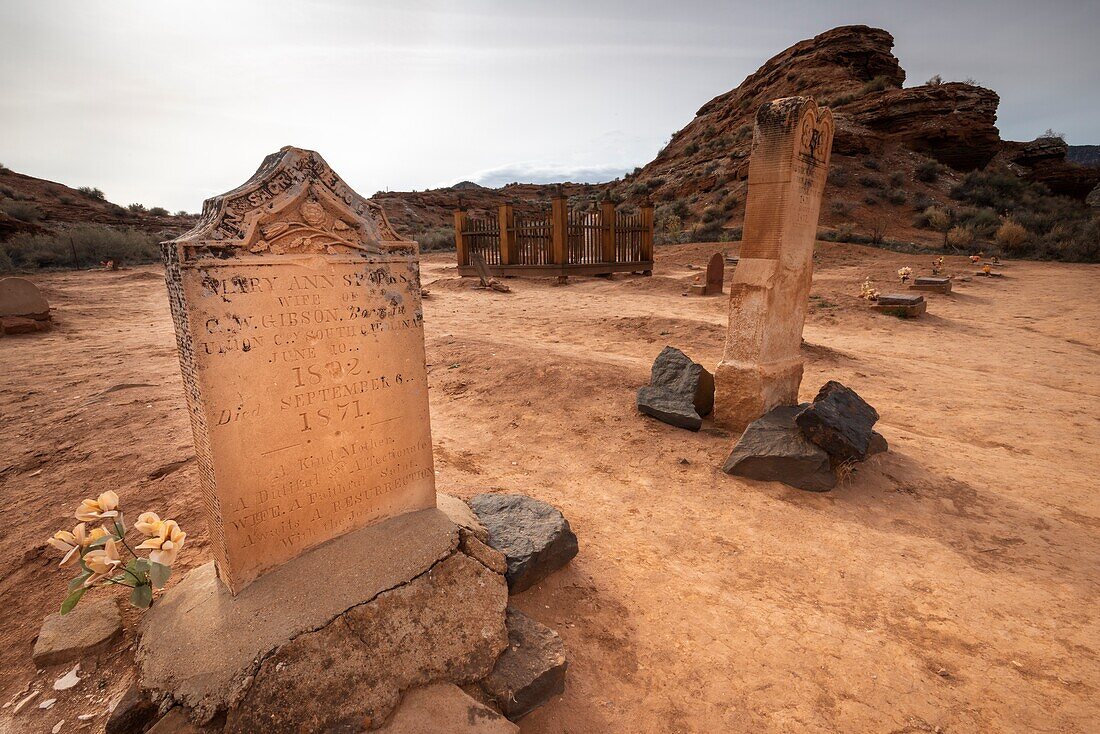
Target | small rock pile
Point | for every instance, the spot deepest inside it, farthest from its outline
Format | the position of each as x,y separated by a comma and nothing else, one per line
802,445
680,391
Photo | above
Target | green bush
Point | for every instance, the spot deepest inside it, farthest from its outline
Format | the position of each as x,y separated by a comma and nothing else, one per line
93,244
436,238
872,182
159,211
136,208
691,149
838,177
871,164
21,210
896,196
92,193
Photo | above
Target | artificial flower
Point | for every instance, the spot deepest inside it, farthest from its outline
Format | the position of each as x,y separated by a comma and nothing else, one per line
148,523
164,546
102,562
102,507
71,544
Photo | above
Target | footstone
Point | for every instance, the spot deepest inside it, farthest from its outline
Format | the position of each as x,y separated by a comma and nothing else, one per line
531,670
932,284
534,537
716,270
13,325
680,391
88,629
340,631
839,421
444,708
773,449
21,297
132,714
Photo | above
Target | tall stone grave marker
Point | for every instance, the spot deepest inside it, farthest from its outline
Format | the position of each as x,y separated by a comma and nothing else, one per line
761,365
300,334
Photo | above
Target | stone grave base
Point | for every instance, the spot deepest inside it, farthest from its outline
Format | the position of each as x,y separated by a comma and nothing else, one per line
329,640
29,324
899,304
744,392
933,285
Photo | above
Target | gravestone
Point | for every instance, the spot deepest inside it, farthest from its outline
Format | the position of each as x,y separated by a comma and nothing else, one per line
23,308
716,272
761,366
299,326
900,304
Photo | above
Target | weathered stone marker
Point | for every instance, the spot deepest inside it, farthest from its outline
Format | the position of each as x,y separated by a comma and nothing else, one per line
933,283
299,327
716,273
23,308
761,365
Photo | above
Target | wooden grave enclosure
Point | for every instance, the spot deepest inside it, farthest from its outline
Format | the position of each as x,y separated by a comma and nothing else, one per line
558,243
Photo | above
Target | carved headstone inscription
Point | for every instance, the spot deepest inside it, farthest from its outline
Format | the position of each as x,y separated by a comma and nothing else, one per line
299,327
761,365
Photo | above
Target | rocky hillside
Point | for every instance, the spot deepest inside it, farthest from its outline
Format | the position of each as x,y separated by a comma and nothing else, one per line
898,150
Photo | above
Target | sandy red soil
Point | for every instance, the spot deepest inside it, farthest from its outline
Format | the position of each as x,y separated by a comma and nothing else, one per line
950,585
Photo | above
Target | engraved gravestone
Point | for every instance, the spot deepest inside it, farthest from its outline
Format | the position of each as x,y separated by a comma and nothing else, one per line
298,321
761,366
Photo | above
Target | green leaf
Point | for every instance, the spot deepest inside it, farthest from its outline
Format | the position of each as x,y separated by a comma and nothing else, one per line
142,596
79,581
125,579
158,574
98,543
139,567
71,600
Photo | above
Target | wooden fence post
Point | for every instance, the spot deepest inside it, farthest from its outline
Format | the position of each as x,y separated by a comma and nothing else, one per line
607,228
460,238
559,227
647,233
506,221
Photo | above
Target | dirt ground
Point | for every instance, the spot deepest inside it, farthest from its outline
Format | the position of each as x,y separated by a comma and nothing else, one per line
949,585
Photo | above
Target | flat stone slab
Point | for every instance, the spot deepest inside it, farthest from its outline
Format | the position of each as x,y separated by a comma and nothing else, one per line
88,629
534,536
934,284
773,449
197,641
461,515
990,274
531,670
901,304
444,708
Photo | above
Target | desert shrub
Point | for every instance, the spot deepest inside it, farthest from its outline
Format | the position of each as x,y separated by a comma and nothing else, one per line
92,193
5,261
935,81
708,232
960,237
3,168
840,100
93,243
1049,134
870,200
897,178
6,192
732,234
691,149
928,171
839,177
711,214
730,203
136,208
743,133
667,228
159,211
921,201
872,182
21,210
436,238
181,213
871,164
983,221
896,196
656,182
1011,236
877,84
842,208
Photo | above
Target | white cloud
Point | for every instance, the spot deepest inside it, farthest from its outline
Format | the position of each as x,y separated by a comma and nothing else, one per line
535,172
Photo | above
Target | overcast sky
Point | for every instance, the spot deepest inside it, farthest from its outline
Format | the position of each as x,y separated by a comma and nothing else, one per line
167,103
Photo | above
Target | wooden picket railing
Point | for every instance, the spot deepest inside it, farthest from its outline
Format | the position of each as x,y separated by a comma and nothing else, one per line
561,243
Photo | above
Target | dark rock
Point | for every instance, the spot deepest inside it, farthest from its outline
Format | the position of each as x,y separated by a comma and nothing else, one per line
531,670
534,537
877,444
839,421
773,449
134,713
680,392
